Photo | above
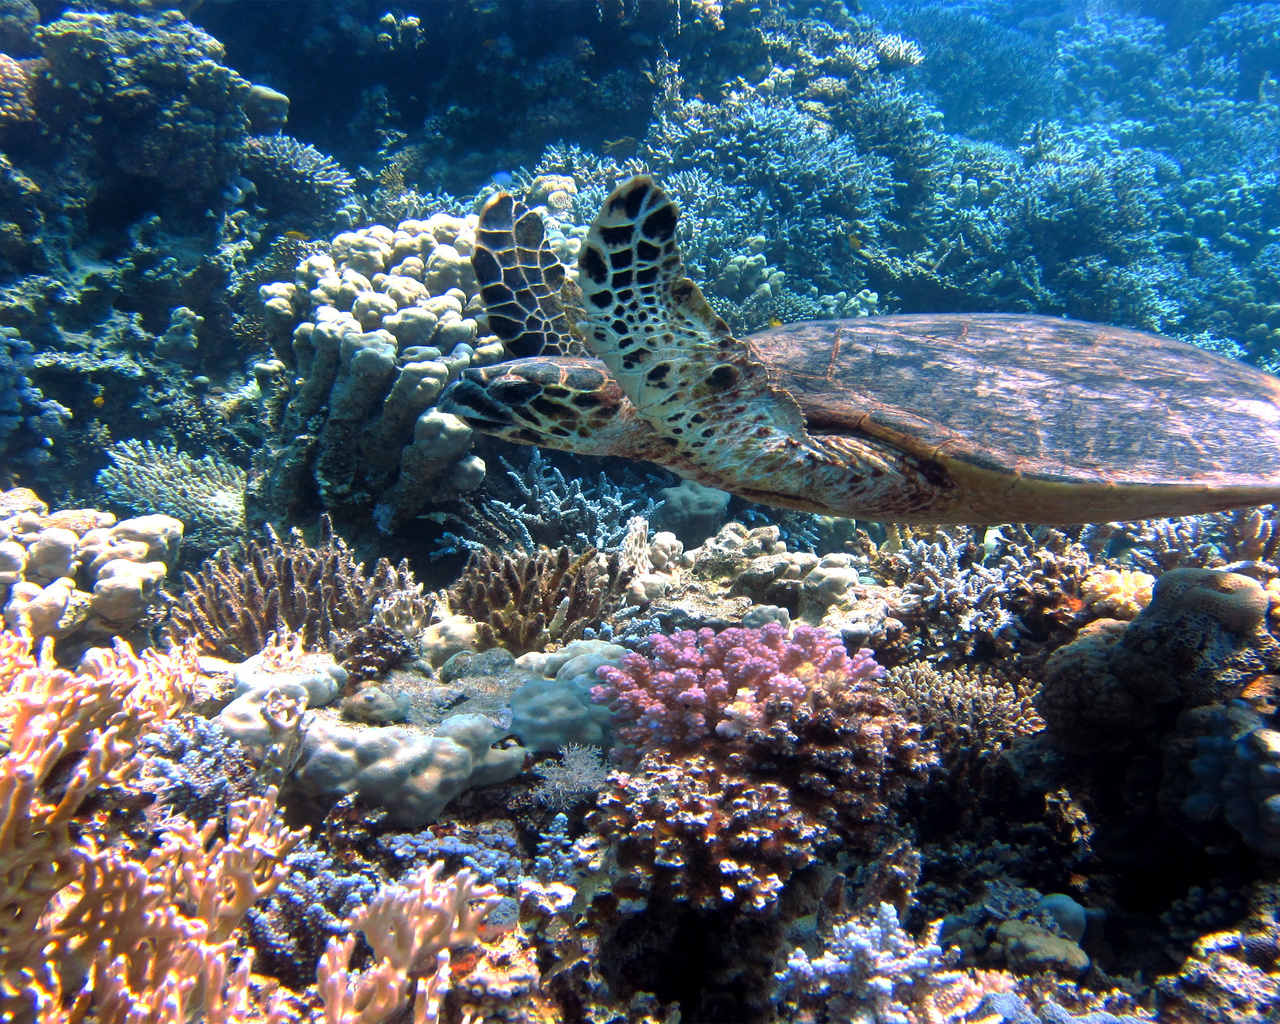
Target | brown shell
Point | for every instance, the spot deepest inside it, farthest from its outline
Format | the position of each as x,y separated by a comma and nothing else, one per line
1038,397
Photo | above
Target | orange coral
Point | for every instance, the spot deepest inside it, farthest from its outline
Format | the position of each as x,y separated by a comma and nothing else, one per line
15,90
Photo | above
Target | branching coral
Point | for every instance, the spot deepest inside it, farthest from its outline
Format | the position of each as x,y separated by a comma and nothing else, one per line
695,685
969,714
67,735
295,178
813,754
411,927
524,601
207,494
232,605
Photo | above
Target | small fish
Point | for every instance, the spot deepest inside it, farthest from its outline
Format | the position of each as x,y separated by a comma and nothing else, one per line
298,236
775,321
99,401
502,178
625,145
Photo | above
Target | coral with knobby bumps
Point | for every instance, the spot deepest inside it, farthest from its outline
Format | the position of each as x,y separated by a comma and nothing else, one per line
696,684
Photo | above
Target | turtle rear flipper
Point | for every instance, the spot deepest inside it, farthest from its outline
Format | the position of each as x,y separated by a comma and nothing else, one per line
520,279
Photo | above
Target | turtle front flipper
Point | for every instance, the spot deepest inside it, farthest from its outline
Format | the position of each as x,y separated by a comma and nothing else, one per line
708,395
566,403
676,360
520,279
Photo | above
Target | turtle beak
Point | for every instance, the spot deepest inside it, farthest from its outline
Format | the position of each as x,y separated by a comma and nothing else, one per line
484,404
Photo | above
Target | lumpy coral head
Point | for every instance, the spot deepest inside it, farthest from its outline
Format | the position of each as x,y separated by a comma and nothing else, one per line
698,684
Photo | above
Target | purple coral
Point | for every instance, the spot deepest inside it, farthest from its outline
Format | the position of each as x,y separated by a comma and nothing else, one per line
696,684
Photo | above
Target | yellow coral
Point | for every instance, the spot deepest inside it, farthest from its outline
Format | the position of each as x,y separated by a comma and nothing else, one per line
1118,593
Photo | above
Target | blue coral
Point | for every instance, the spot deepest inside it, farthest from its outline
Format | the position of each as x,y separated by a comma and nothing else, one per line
488,849
291,927
29,422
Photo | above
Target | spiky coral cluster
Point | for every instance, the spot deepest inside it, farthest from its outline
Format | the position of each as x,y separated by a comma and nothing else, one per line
524,601
239,598
696,684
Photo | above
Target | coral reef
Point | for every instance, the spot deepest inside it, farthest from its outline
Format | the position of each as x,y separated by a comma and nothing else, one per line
695,790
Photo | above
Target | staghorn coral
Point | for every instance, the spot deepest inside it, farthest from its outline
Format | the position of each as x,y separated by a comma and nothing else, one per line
207,494
872,970
232,605
552,507
524,601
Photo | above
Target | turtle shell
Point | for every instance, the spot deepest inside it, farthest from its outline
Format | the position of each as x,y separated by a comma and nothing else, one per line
1038,398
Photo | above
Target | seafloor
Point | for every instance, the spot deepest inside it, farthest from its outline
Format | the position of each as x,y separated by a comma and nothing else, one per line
319,706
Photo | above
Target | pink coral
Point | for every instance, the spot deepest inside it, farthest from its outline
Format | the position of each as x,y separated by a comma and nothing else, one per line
696,684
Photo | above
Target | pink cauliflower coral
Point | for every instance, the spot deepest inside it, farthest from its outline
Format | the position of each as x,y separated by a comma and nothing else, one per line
696,684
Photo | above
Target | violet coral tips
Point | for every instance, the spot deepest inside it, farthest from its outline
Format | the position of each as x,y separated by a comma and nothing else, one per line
696,685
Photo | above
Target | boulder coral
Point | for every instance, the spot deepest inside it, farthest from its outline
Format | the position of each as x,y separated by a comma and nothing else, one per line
1202,637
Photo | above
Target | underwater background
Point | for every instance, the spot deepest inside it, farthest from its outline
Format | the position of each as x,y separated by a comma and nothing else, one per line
318,706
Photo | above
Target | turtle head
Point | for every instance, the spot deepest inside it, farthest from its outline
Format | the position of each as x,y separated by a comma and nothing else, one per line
557,402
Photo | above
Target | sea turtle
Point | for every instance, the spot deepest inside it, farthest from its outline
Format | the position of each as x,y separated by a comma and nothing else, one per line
933,418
